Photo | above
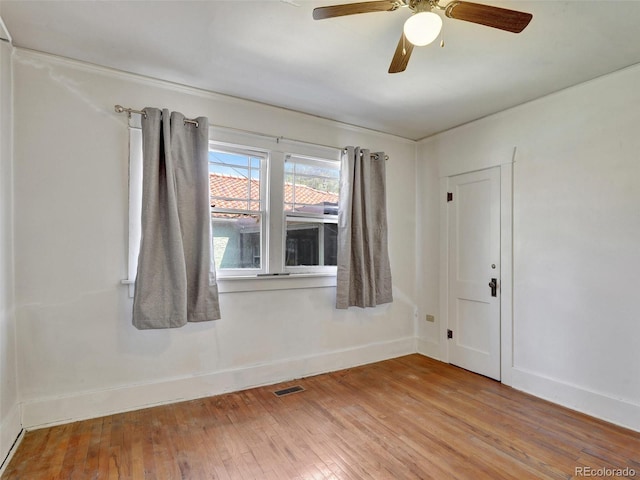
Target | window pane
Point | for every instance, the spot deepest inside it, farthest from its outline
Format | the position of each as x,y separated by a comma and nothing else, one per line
234,180
311,186
311,244
230,159
236,240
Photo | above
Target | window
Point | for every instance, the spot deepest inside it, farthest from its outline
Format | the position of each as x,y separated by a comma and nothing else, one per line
311,188
273,211
237,209
292,230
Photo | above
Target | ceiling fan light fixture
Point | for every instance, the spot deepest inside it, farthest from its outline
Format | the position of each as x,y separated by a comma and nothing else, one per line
422,28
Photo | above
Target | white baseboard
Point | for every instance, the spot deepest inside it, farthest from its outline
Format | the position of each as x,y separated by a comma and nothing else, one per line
428,349
81,406
10,436
617,411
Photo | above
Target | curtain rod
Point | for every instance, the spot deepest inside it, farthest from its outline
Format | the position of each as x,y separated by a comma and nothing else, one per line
386,157
121,109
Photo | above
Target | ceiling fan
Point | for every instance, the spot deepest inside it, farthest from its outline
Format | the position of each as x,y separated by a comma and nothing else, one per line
424,25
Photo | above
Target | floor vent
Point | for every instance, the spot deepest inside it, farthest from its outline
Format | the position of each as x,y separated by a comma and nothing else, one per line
288,391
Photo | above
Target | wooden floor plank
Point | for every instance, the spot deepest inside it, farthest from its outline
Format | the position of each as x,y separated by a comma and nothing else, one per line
406,418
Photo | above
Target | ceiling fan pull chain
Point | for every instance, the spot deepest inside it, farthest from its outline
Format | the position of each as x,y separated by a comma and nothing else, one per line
442,38
404,49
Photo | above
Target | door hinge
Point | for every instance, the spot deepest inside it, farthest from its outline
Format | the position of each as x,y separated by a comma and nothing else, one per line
449,196
449,333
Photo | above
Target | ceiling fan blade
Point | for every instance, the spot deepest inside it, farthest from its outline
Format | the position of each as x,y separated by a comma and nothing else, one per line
401,57
353,8
496,17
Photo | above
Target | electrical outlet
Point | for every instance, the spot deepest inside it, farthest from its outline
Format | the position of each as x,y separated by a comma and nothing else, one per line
430,318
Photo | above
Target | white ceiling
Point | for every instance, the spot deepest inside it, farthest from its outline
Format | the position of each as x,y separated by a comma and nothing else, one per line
272,51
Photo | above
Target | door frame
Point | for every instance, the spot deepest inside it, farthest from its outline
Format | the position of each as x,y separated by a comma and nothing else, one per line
506,268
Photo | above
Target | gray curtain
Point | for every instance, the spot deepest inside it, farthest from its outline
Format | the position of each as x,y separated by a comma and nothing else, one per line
175,283
364,273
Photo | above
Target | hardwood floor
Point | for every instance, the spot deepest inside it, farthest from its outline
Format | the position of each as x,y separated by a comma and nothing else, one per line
407,418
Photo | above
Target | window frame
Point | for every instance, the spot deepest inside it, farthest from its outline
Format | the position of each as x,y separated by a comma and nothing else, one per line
308,217
263,156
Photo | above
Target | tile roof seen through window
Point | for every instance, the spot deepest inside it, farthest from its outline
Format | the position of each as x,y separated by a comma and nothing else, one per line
229,191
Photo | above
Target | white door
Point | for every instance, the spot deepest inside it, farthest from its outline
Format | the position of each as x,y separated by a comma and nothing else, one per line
474,271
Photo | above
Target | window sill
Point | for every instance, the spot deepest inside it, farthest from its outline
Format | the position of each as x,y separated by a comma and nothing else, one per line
284,282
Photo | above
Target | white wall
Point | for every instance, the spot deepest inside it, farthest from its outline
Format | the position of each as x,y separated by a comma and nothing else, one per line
9,407
428,250
576,261
79,356
576,233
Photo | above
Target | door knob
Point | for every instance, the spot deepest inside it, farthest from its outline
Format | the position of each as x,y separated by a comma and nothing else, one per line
494,287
